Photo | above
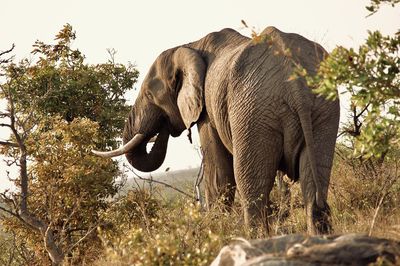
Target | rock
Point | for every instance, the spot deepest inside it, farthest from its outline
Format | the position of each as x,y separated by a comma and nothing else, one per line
293,250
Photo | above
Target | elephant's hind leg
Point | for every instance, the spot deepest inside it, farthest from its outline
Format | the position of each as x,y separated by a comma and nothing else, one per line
255,164
325,126
318,219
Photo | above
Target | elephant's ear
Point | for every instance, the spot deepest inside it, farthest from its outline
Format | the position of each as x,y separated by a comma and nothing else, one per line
190,96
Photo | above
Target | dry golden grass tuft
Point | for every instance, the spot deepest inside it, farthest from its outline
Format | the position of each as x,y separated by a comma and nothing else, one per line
367,204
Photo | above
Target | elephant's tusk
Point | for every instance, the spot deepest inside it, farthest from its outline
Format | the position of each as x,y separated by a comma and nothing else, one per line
153,139
135,141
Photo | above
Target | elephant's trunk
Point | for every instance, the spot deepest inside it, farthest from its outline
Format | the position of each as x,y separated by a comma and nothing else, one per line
143,161
141,126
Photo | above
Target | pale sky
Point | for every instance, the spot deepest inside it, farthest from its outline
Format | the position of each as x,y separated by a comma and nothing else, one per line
140,30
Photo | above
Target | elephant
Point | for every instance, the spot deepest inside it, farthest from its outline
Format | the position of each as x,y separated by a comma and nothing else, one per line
253,115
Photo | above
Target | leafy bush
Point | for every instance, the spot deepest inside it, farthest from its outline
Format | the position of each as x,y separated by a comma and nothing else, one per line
58,109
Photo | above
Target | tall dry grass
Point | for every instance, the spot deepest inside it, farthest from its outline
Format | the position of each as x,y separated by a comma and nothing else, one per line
147,230
366,203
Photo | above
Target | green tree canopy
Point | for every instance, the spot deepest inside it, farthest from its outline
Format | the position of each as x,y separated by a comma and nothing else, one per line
59,82
58,109
370,74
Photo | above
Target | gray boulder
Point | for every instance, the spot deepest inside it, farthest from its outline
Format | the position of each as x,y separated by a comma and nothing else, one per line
296,250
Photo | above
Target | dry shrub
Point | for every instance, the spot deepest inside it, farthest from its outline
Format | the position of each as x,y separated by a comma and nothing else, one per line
176,232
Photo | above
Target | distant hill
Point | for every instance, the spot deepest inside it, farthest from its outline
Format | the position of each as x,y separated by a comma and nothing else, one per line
182,179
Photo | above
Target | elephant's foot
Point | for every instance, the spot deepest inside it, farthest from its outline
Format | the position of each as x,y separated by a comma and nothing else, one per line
256,217
318,219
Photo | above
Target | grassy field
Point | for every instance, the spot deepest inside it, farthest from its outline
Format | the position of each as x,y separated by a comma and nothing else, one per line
176,231
160,223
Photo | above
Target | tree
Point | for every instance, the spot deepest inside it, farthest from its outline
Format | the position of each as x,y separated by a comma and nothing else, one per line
371,76
376,4
58,109
60,83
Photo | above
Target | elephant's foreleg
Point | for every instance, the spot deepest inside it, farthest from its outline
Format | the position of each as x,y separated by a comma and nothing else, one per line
218,167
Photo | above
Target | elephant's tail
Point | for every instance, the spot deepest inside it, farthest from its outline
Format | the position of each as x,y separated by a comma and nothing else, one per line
306,125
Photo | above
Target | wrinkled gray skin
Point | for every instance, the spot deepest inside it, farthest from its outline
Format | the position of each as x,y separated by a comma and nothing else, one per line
253,119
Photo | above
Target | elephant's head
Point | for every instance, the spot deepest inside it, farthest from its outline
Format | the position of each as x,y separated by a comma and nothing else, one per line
170,100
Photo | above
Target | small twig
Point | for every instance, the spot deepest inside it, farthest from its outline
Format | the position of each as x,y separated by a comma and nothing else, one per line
68,219
5,61
199,179
16,215
4,114
5,125
81,239
362,111
6,143
384,194
376,214
166,185
341,133
9,212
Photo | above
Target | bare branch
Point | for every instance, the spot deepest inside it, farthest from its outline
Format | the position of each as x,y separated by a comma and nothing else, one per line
69,218
158,182
56,255
11,162
5,61
6,199
9,212
6,143
5,125
81,239
7,51
341,134
14,214
4,115
363,110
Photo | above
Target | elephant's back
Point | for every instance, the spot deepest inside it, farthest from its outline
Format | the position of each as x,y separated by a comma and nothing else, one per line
272,57
300,49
